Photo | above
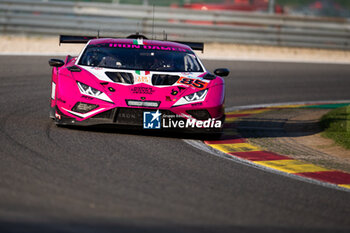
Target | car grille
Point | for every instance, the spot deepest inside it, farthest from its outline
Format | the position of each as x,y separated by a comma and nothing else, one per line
201,114
131,116
121,77
164,79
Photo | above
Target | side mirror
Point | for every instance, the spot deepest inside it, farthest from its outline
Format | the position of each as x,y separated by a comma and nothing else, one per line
222,72
56,62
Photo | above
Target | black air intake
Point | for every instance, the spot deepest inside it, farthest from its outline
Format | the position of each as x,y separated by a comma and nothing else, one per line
164,79
121,77
201,114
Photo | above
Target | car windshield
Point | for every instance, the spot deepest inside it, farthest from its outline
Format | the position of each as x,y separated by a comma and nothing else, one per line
140,57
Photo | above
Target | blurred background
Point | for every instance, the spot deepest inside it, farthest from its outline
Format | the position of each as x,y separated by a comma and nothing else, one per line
326,8
320,24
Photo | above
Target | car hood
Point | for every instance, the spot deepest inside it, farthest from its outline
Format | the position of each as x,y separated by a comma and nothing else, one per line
145,87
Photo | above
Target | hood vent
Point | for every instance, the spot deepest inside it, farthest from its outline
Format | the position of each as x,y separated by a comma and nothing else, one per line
121,77
164,79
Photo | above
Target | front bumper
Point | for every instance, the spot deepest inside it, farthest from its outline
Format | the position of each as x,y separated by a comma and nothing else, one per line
130,117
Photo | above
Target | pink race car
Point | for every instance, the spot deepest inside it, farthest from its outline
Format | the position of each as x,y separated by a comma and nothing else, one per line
137,82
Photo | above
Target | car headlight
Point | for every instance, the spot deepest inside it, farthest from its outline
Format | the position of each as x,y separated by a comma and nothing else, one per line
200,95
192,98
90,91
87,90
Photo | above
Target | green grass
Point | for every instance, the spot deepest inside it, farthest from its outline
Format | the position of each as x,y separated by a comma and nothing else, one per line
336,126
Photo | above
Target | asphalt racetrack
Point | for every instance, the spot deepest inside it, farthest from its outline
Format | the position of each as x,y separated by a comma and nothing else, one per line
69,180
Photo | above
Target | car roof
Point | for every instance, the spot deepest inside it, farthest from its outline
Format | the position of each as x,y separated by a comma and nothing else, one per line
145,42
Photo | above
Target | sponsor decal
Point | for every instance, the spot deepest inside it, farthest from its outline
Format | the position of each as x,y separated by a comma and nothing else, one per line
139,72
151,120
199,84
127,116
142,90
181,88
151,47
174,92
111,89
197,104
143,79
138,41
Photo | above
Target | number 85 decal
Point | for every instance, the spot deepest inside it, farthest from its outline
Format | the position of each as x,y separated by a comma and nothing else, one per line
193,82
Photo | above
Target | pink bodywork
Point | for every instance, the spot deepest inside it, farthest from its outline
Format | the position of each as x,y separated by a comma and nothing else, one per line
65,92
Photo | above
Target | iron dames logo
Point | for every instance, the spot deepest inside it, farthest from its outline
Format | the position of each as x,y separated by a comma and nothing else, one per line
151,120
